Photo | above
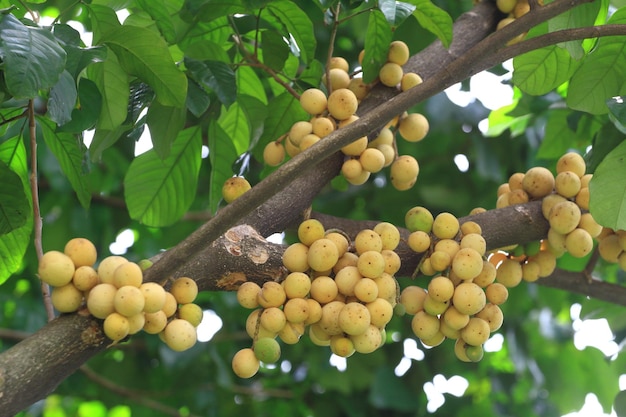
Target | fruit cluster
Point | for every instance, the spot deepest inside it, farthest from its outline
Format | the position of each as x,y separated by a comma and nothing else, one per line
345,292
338,108
115,292
462,299
514,9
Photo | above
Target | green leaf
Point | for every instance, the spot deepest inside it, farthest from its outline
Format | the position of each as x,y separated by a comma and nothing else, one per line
559,136
14,206
256,112
77,58
377,40
313,73
90,104
103,20
164,122
298,25
542,70
62,99
395,11
104,139
222,154
13,245
433,19
208,10
113,84
249,83
234,121
159,191
198,100
32,58
207,49
617,112
215,76
607,193
70,153
275,49
217,31
161,16
144,54
601,75
582,16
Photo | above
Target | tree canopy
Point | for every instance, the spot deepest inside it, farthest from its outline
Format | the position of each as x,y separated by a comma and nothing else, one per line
211,85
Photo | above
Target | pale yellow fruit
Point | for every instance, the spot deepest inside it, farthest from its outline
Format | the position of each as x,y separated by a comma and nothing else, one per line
155,322
434,307
355,148
436,340
313,101
154,297
273,319
340,241
424,325
410,80
473,240
366,290
530,271
245,363
56,268
247,294
368,240
338,78
322,255
296,310
538,182
359,88
440,288
274,153
310,230
253,325
67,298
398,52
387,288
404,169
295,257
106,268
234,188
272,294
372,160
180,335
371,264
128,273
445,226
323,126
392,261
297,285
440,260
467,263
546,261
573,162
346,279
582,198
324,289
338,62
129,300
308,141
369,341
315,311
492,314
487,275
389,152
136,323
116,326
342,346
352,169
184,290
291,333
381,312
588,223
100,301
564,217
550,201
318,336
298,131
509,273
342,103
455,319
610,248
476,332
579,243
329,322
81,251
469,298
85,278
414,127
354,318
496,293
390,74
567,184
412,298
389,234
385,137
506,6
419,241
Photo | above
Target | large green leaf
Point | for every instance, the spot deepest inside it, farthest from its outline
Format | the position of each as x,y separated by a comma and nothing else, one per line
395,11
222,154
377,40
14,205
607,200
85,115
13,245
249,83
433,19
32,58
158,11
62,99
78,58
559,135
215,76
208,10
113,84
582,16
298,24
234,122
542,70
275,49
144,54
104,139
164,122
103,20
159,191
601,75
70,152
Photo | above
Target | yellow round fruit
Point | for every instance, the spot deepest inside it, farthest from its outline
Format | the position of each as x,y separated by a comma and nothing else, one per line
101,300
313,101
310,230
322,255
107,267
414,127
180,335
390,74
234,188
247,294
184,290
272,294
424,325
245,363
323,126
56,268
128,273
324,289
155,322
274,153
116,326
192,313
445,226
81,251
342,103
369,341
410,80
354,318
295,257
338,62
129,300
298,131
338,79
66,299
154,296
398,52
469,298
372,160
85,278
538,182
404,169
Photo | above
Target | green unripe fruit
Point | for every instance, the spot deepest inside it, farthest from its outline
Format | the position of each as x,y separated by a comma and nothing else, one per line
234,188
267,350
474,353
56,268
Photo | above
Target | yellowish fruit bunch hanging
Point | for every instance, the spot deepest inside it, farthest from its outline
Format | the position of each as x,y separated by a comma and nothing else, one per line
115,293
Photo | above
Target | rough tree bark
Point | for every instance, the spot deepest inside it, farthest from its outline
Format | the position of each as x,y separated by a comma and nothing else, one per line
219,258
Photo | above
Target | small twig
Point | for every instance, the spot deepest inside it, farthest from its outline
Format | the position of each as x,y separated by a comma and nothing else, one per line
17,335
135,396
331,44
11,119
38,224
